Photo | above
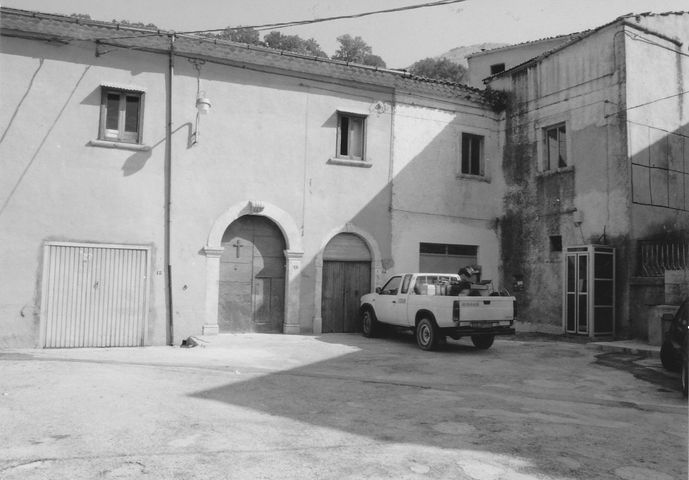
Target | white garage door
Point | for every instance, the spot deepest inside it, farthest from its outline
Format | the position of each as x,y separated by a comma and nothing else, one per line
94,295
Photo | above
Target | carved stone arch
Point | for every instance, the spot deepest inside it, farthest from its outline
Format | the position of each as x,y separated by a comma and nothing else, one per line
293,257
376,267
282,219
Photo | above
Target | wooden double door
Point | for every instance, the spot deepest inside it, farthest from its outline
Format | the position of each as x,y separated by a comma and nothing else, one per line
343,285
346,277
251,294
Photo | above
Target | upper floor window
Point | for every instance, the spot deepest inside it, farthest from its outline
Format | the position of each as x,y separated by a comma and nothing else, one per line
554,147
472,154
497,68
351,135
121,114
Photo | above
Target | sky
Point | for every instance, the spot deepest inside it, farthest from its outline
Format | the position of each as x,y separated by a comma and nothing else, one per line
400,38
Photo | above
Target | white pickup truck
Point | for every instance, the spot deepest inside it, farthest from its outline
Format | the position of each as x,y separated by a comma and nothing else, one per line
438,305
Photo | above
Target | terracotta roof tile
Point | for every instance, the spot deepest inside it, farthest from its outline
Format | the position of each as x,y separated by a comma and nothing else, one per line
59,28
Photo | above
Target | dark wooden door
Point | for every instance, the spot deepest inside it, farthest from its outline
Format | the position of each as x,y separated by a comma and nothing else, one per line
343,285
252,277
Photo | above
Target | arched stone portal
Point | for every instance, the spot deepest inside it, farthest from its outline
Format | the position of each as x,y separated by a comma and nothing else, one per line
251,290
293,254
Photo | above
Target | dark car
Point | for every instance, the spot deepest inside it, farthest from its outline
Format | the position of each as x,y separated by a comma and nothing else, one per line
674,352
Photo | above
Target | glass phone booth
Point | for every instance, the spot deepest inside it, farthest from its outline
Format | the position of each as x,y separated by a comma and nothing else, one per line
589,291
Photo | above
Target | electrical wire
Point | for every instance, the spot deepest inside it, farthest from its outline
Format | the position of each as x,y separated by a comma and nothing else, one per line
647,103
636,36
641,124
294,23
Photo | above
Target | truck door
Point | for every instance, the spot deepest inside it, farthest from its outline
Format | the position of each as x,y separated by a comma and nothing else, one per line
391,305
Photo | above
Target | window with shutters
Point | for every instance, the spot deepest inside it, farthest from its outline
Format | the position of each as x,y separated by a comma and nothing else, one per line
555,147
472,155
121,114
351,131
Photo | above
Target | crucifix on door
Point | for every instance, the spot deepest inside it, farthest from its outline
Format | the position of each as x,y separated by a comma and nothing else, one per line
237,245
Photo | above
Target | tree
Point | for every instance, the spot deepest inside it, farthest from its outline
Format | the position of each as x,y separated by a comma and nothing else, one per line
355,49
136,24
374,61
293,43
439,69
248,35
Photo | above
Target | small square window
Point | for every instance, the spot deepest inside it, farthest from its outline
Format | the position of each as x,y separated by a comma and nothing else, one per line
497,68
554,147
121,115
351,135
556,243
472,154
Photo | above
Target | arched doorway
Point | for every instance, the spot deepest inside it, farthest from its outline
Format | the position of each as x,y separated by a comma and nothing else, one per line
251,290
346,277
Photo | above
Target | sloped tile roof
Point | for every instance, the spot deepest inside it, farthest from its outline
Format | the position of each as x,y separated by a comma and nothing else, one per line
581,35
563,37
63,29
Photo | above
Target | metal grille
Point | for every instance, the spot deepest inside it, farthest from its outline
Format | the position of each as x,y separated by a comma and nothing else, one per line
656,256
94,295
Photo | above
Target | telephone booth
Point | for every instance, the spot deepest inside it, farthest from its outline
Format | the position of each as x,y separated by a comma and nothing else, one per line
589,290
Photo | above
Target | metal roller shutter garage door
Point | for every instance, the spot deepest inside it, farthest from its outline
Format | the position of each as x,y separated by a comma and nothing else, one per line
94,295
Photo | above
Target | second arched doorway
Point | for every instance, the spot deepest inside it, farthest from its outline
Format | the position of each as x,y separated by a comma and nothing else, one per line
346,277
251,290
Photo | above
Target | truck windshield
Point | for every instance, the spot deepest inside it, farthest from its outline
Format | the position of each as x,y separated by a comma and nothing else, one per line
392,287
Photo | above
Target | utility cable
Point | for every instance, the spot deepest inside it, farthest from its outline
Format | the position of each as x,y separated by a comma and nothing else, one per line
298,22
647,103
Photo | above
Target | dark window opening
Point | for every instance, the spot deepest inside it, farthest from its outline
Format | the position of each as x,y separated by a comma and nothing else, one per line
350,133
445,249
555,151
497,68
472,154
556,243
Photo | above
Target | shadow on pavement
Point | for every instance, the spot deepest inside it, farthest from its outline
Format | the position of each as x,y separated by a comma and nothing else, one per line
641,368
457,398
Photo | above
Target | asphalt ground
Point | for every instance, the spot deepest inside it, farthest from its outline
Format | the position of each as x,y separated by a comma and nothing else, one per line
341,406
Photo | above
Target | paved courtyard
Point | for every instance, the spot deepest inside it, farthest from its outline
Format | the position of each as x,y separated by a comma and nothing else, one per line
340,406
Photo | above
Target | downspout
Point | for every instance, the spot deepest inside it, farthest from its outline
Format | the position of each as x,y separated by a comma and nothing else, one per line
168,192
391,182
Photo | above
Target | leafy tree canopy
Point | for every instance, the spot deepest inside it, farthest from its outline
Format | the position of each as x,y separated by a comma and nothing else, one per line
293,43
136,24
241,34
439,69
374,61
86,16
355,49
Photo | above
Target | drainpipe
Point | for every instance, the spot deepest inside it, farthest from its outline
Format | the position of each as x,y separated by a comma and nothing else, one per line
168,192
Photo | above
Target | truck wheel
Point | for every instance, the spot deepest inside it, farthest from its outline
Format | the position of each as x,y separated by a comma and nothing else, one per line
483,342
369,324
426,334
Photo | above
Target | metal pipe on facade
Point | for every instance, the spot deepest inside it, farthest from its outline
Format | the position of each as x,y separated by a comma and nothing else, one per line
168,192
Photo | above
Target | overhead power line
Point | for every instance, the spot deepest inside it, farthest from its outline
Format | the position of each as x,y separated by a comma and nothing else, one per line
294,23
656,100
339,17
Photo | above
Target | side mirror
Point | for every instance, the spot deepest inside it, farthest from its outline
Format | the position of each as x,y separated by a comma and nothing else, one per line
377,289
